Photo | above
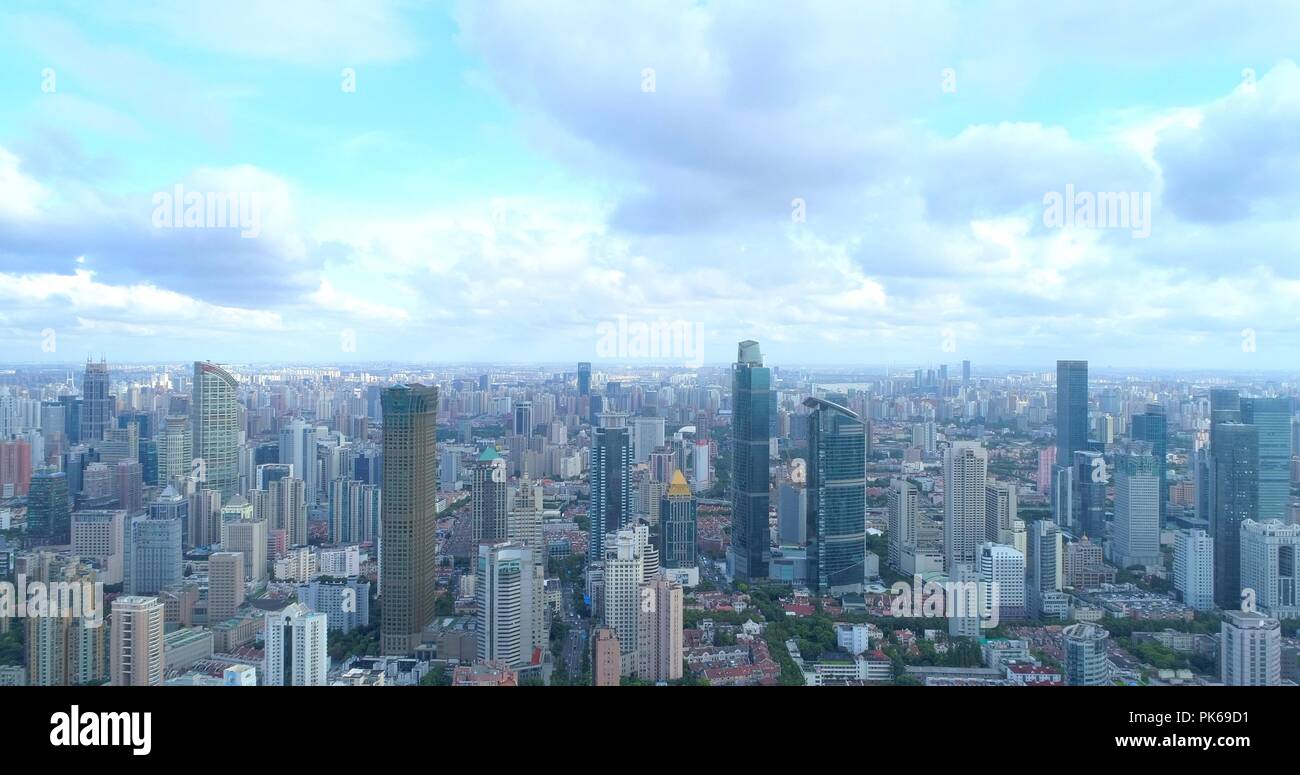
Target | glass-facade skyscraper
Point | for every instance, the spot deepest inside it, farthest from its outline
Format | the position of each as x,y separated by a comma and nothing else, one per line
49,514
1151,427
837,486
611,483
214,423
95,404
1071,409
1272,416
677,524
751,407
1234,498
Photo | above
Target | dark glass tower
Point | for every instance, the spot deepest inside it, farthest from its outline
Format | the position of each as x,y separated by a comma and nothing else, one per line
1088,512
751,420
1151,427
94,402
49,515
1234,497
677,520
611,485
584,379
837,488
1273,418
1071,409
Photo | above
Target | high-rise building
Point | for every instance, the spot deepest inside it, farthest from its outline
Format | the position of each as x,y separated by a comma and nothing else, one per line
837,525
1088,490
606,661
225,585
792,514
1269,551
611,485
903,515
659,630
1000,512
1071,409
677,531
509,587
98,535
96,405
288,497
1250,649
298,449
1086,663
629,562
1194,568
1002,580
214,423
1135,532
1044,571
408,575
1234,496
137,641
49,513
523,419
923,436
584,378
647,436
965,477
156,545
175,450
489,496
751,420
1272,416
526,504
295,647
249,538
1151,427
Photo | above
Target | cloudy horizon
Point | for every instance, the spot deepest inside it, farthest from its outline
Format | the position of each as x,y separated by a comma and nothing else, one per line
487,181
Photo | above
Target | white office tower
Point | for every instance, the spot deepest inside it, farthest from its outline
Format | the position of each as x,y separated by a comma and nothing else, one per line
902,514
1250,649
1044,571
137,643
999,512
509,588
525,517
175,450
1194,568
296,653
923,437
1135,532
625,570
647,436
1268,566
1002,580
965,476
659,629
700,461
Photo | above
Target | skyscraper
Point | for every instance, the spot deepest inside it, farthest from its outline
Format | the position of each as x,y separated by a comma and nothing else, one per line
1151,427
489,493
1234,496
611,486
1135,533
1071,409
1269,551
584,378
999,512
751,402
1272,416
155,552
903,512
49,515
1044,571
225,585
409,515
1194,568
175,450
965,476
214,423
509,582
659,631
95,403
677,532
137,642
837,524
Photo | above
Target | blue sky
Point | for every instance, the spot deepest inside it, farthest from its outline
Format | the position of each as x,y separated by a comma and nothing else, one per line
502,180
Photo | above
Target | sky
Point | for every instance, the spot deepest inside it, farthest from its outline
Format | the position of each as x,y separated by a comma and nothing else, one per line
845,182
